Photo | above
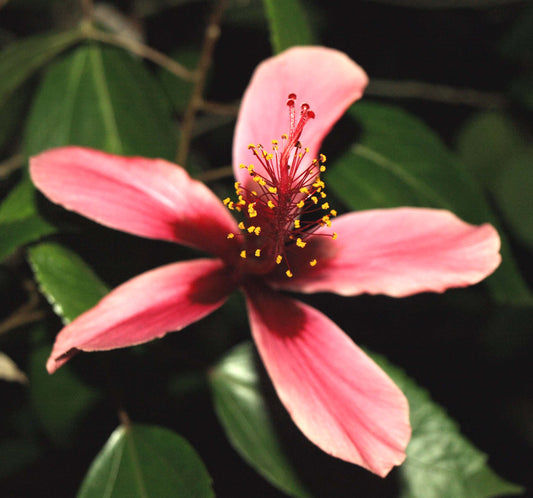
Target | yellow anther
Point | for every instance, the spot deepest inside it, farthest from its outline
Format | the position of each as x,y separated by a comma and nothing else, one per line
241,225
242,166
325,205
273,190
270,204
304,190
296,223
313,262
257,230
274,142
300,205
307,150
250,229
326,221
288,273
262,182
323,195
231,235
252,213
254,193
319,183
322,168
243,254
251,168
256,178
257,253
314,198
279,259
284,136
300,242
322,158
333,212
230,205
226,201
334,235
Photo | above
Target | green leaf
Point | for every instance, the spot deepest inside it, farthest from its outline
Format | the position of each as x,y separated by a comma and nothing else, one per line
65,279
146,461
61,400
101,97
400,162
288,24
485,143
20,223
513,194
441,463
22,58
243,412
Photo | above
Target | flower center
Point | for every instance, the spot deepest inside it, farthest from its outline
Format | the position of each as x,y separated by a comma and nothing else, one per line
284,203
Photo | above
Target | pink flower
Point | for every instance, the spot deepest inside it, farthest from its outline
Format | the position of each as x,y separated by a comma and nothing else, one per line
289,239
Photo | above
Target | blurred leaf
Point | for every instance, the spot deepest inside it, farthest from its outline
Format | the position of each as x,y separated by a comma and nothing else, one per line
65,279
146,461
17,454
20,223
178,89
485,143
21,59
61,400
514,194
517,44
11,110
243,413
104,98
401,162
441,463
288,23
9,370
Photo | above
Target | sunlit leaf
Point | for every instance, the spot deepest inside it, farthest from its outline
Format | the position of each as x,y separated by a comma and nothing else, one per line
441,462
399,161
104,98
20,222
65,279
146,461
243,412
288,24
22,58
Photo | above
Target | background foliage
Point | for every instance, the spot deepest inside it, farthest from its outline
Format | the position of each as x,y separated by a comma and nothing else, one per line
446,122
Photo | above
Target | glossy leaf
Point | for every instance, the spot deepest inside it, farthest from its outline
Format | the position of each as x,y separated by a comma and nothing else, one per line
61,401
288,24
399,161
65,279
441,463
104,98
22,58
146,461
242,411
20,222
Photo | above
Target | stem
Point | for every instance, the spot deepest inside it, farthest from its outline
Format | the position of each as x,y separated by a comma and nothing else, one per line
11,164
27,313
437,93
212,33
216,174
141,50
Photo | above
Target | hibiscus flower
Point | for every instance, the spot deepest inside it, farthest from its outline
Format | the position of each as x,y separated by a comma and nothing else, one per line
286,238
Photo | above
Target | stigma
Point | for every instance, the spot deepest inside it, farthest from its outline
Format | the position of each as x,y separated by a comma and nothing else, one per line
283,202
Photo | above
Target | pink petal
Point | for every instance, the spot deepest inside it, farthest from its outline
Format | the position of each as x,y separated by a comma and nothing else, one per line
145,308
397,252
338,397
326,79
147,197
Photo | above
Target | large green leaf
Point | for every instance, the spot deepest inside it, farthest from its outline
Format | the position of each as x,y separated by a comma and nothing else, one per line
22,58
441,463
244,415
146,462
104,98
20,223
288,24
399,161
65,279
